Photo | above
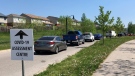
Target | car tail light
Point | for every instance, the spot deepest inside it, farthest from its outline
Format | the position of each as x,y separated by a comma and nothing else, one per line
76,37
51,43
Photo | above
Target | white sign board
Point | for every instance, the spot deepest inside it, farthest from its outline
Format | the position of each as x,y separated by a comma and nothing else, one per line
21,41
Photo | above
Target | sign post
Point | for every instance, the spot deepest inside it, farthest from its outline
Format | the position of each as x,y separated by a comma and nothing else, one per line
22,68
22,47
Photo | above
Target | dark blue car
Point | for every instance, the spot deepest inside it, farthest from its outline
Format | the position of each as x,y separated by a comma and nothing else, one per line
98,36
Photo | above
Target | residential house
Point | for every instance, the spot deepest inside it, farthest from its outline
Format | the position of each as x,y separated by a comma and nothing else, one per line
76,22
54,20
3,19
36,19
46,21
15,20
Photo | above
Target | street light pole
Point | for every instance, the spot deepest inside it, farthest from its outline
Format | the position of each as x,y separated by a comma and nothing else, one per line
67,22
66,25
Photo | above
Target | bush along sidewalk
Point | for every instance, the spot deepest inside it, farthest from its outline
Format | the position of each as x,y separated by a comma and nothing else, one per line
85,62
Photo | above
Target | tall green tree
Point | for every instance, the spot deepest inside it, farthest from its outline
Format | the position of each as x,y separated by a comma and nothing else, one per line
62,20
83,18
103,20
119,26
131,27
87,24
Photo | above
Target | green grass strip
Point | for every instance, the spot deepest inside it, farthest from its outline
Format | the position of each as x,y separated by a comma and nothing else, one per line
85,62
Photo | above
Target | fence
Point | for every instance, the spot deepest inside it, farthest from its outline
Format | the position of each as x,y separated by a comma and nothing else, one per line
5,28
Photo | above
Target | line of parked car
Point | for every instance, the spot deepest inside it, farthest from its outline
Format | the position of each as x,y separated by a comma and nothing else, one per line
112,33
56,43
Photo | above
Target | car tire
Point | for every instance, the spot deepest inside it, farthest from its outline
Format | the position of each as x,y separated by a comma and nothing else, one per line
91,40
56,50
83,42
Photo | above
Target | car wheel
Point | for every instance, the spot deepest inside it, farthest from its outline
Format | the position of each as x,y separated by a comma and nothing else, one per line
91,40
56,50
83,42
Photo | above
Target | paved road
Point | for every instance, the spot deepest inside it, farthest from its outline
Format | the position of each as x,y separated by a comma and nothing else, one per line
10,67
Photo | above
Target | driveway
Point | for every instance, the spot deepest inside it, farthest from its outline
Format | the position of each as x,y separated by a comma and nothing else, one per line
10,67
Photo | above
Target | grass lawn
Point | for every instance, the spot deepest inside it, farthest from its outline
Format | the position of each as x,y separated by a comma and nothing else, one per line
5,37
4,41
85,62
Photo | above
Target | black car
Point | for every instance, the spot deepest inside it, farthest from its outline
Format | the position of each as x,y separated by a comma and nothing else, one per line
121,34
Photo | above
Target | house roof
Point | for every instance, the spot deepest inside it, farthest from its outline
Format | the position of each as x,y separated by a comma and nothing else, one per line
2,15
52,17
15,15
43,18
36,17
76,20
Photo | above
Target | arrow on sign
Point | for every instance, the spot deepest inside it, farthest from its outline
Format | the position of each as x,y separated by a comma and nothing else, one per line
21,34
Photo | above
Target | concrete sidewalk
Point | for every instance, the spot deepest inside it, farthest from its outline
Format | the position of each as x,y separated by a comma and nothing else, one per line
121,62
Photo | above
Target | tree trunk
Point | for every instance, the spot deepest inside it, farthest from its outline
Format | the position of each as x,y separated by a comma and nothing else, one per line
103,36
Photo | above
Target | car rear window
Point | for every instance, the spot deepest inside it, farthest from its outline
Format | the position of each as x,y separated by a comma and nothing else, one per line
73,32
46,38
86,34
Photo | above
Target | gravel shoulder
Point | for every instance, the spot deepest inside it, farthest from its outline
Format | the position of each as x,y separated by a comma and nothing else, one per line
121,62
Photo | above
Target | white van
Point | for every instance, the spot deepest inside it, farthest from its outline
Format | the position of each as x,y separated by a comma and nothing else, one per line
110,33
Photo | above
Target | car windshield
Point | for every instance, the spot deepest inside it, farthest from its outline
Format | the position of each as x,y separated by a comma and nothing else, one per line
46,38
97,34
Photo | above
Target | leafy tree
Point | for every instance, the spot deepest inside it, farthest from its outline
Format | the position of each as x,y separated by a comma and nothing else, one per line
62,20
83,18
131,27
119,26
87,24
103,20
